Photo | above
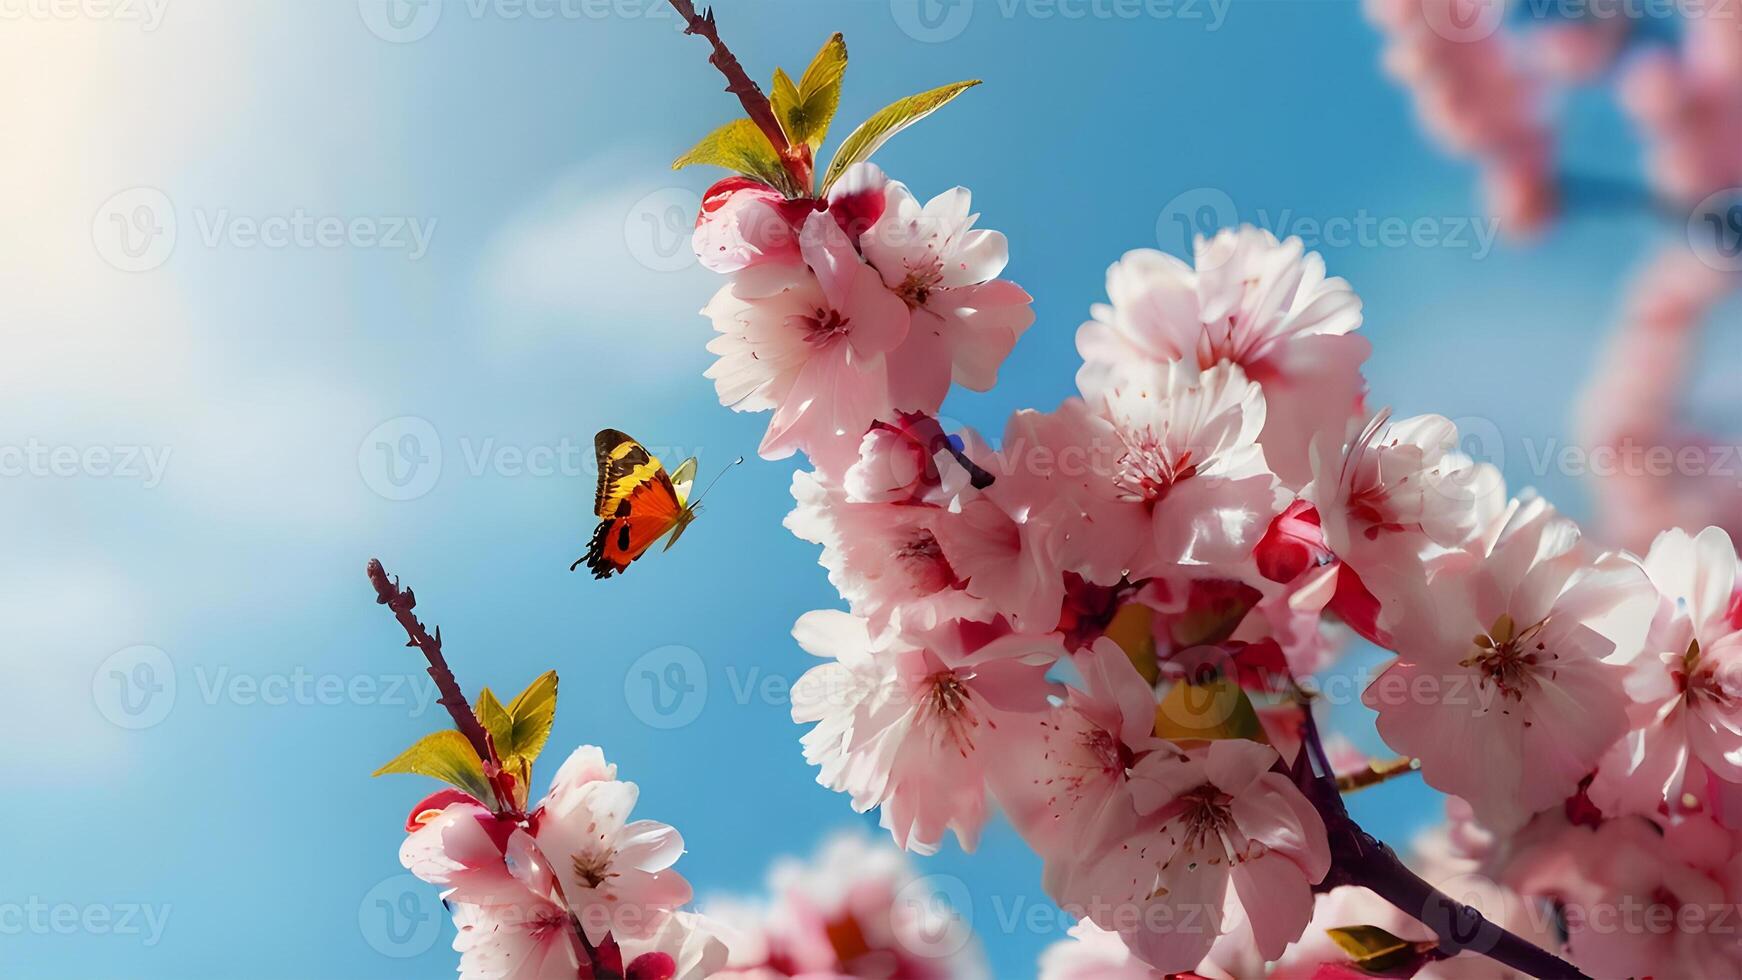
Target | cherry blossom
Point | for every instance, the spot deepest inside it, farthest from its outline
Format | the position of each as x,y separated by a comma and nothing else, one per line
909,725
965,319
1505,688
1217,825
1264,305
1685,683
809,342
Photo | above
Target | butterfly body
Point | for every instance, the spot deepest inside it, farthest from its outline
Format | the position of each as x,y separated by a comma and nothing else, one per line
637,503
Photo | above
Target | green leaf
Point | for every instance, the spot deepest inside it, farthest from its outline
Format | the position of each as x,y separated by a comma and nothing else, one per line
495,719
1214,709
1373,949
741,147
806,110
443,755
783,95
892,119
533,712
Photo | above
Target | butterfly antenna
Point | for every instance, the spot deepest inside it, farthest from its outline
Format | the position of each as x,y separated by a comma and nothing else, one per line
698,501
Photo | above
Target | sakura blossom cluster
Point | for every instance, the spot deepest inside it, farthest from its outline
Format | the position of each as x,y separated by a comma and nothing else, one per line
1486,87
572,889
857,909
1104,622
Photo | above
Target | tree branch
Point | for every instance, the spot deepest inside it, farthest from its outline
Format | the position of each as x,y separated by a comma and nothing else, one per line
1359,858
402,602
796,159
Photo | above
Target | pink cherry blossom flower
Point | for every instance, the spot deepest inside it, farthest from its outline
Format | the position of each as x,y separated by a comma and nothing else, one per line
1074,787
1191,457
1630,900
1502,688
1685,684
744,223
808,342
512,926
884,558
1476,97
1005,542
854,909
1398,495
1218,827
965,319
908,725
1093,953
1252,301
683,946
615,874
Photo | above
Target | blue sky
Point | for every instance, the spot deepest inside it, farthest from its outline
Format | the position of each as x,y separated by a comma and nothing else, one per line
247,246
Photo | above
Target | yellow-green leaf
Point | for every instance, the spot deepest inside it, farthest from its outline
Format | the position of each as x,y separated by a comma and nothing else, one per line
1372,948
812,103
1211,710
533,712
443,755
892,119
739,146
783,96
495,719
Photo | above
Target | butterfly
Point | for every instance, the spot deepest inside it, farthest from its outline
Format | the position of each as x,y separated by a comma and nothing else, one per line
638,503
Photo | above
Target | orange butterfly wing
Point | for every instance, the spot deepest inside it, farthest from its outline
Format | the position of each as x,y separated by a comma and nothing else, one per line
636,500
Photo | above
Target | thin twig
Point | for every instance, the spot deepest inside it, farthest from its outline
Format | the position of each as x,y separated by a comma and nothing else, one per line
1376,773
796,159
402,602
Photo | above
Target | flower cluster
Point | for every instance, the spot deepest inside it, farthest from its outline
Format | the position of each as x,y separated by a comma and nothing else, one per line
1101,621
572,887
857,909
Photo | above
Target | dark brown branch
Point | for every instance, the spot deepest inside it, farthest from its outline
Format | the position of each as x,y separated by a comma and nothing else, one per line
796,159
1359,858
402,602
